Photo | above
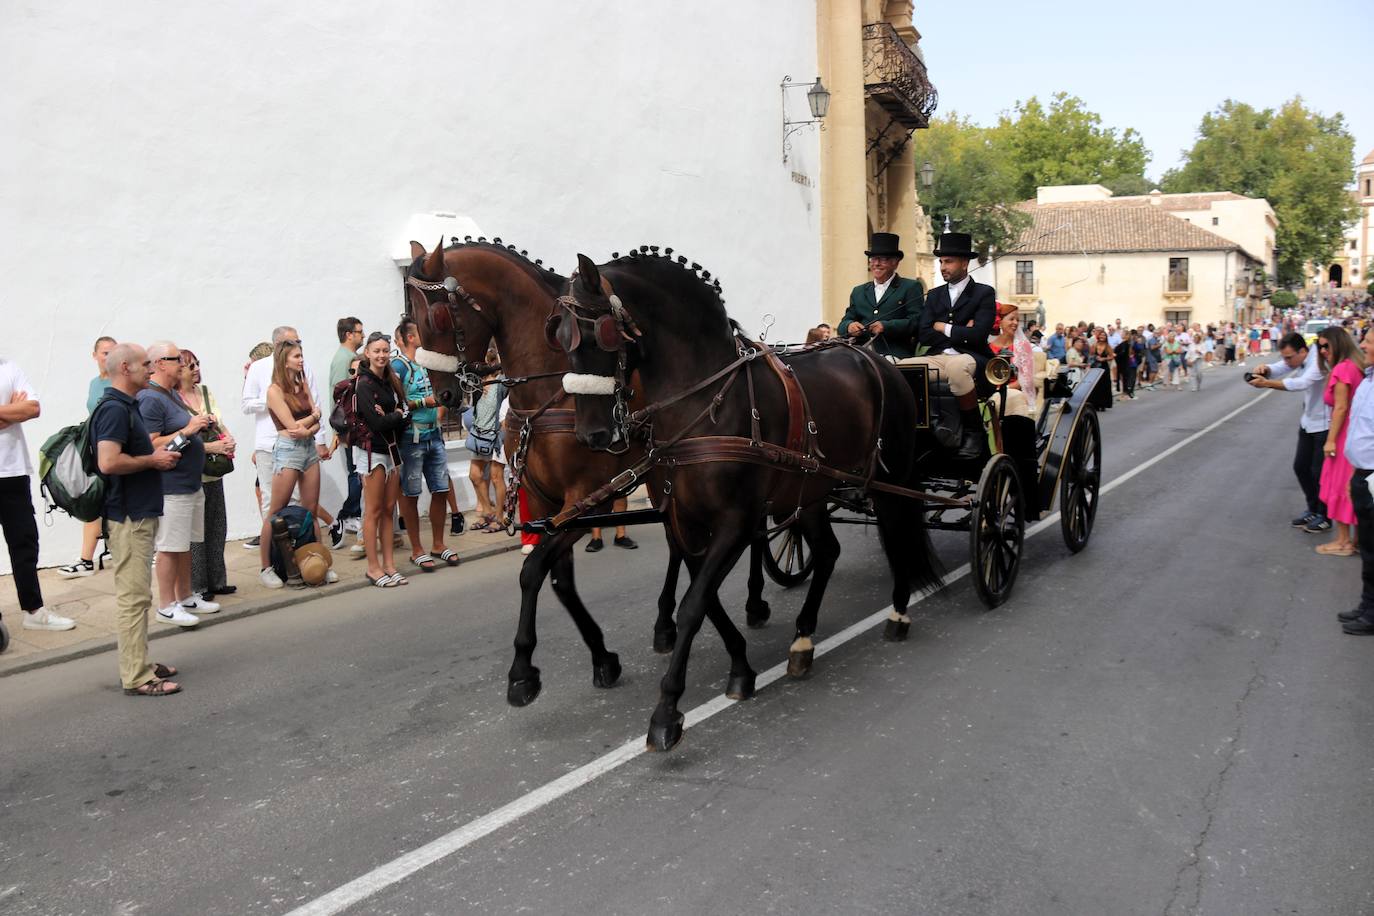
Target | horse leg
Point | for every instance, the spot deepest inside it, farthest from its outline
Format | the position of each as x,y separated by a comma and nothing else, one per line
605,664
665,630
740,684
825,547
726,544
756,609
910,555
523,683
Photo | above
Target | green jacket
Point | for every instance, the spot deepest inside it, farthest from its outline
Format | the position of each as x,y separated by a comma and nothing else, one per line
900,312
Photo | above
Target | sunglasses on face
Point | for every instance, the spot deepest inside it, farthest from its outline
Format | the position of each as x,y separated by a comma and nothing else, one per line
1323,346
169,359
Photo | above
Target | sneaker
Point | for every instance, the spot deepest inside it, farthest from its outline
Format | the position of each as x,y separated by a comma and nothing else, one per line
625,542
269,578
177,615
336,535
44,619
1317,525
353,525
200,605
1347,616
250,544
594,545
456,523
330,577
77,569
358,551
1302,520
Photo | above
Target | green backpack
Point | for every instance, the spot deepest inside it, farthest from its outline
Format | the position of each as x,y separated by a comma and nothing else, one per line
68,473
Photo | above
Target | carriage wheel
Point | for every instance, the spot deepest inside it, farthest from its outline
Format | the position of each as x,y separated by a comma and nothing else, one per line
788,559
996,529
1079,481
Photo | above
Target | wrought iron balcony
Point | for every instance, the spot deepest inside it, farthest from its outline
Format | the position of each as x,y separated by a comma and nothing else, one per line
895,77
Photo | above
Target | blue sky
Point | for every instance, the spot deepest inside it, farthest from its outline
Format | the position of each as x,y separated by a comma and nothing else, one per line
1158,66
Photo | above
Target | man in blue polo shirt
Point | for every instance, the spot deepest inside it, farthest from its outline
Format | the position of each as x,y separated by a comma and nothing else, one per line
423,459
133,505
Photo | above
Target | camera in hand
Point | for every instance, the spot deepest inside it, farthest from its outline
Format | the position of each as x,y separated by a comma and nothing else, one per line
1250,376
178,443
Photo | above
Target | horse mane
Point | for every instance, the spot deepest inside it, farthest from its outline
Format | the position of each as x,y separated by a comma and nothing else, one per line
649,256
551,279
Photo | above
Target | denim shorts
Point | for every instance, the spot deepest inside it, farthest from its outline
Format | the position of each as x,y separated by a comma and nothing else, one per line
424,460
293,454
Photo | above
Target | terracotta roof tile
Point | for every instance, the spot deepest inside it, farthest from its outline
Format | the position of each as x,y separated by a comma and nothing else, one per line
1107,226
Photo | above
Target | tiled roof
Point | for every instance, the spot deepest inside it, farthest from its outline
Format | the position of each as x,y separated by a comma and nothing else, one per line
1201,200
1368,159
1106,226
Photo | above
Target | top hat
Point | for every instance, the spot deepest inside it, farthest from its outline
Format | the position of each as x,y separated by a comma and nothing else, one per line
955,245
885,246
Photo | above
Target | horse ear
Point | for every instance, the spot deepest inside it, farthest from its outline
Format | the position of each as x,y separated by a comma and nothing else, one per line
416,250
588,274
434,261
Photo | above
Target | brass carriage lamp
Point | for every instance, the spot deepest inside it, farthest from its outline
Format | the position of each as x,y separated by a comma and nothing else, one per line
927,174
817,97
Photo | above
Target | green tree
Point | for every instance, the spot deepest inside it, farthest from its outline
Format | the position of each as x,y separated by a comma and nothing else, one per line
1284,299
974,186
1065,143
1298,159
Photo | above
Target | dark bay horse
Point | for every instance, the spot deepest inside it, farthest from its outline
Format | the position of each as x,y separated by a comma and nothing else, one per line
499,294
715,410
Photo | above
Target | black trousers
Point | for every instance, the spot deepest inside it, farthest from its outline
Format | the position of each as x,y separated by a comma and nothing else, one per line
1127,375
1307,465
21,537
1363,504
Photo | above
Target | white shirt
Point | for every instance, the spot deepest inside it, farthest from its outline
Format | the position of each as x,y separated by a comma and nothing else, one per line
1359,432
1311,381
957,289
254,404
880,289
1114,338
14,451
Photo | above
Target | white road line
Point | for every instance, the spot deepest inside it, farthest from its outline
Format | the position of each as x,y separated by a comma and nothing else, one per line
395,871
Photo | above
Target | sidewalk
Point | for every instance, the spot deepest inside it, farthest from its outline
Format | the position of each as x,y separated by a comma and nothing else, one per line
90,600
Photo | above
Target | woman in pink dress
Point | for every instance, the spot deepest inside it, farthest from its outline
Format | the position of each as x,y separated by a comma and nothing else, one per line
1336,348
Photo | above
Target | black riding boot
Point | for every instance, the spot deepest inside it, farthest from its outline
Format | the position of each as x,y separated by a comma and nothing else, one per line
973,438
1018,439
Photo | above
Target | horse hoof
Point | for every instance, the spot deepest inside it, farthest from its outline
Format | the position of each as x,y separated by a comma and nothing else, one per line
799,662
896,630
524,691
664,640
740,686
664,737
608,672
756,614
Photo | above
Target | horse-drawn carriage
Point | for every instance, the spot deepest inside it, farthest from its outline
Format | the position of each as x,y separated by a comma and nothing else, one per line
988,497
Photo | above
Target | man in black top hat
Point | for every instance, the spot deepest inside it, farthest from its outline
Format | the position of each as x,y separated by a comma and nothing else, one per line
955,324
889,307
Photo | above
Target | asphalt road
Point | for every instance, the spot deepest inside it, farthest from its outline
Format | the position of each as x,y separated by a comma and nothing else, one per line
1170,722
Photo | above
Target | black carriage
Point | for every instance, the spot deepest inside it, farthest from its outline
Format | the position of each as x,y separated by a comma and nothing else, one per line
988,497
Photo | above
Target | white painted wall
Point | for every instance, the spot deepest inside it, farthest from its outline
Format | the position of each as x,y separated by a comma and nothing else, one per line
206,172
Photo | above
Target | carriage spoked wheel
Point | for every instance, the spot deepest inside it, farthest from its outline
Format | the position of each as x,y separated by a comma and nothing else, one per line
788,559
997,528
1080,480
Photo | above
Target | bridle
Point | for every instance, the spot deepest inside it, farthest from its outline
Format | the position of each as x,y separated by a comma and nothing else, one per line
442,316
612,328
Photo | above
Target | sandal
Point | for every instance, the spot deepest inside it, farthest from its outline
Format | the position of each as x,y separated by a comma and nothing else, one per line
485,524
382,581
425,562
1331,550
450,556
163,671
154,688
398,579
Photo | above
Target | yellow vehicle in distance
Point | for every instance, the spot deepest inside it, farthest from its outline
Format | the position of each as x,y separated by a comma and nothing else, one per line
1313,327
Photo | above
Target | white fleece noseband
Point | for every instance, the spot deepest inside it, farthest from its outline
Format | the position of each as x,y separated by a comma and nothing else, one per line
577,383
439,362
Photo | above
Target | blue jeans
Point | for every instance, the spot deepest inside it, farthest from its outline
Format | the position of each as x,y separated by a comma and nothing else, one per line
424,460
353,503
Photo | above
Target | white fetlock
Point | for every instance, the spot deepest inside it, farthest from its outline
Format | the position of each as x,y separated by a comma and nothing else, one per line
898,618
801,644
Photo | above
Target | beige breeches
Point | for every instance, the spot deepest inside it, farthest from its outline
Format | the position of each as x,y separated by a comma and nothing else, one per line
1017,405
957,369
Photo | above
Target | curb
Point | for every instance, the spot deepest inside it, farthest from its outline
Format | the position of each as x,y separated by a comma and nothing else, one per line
251,609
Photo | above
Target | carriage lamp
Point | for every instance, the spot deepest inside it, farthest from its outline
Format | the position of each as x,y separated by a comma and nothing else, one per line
927,174
817,97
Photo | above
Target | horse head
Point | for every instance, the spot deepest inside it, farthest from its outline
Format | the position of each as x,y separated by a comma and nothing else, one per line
591,324
447,350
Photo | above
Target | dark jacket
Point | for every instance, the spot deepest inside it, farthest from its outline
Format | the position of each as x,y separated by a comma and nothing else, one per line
373,391
900,311
978,305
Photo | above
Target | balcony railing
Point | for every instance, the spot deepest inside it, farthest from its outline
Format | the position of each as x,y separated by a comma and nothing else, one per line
896,78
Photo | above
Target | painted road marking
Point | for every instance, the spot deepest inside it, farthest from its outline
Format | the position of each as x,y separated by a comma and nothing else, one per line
398,869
